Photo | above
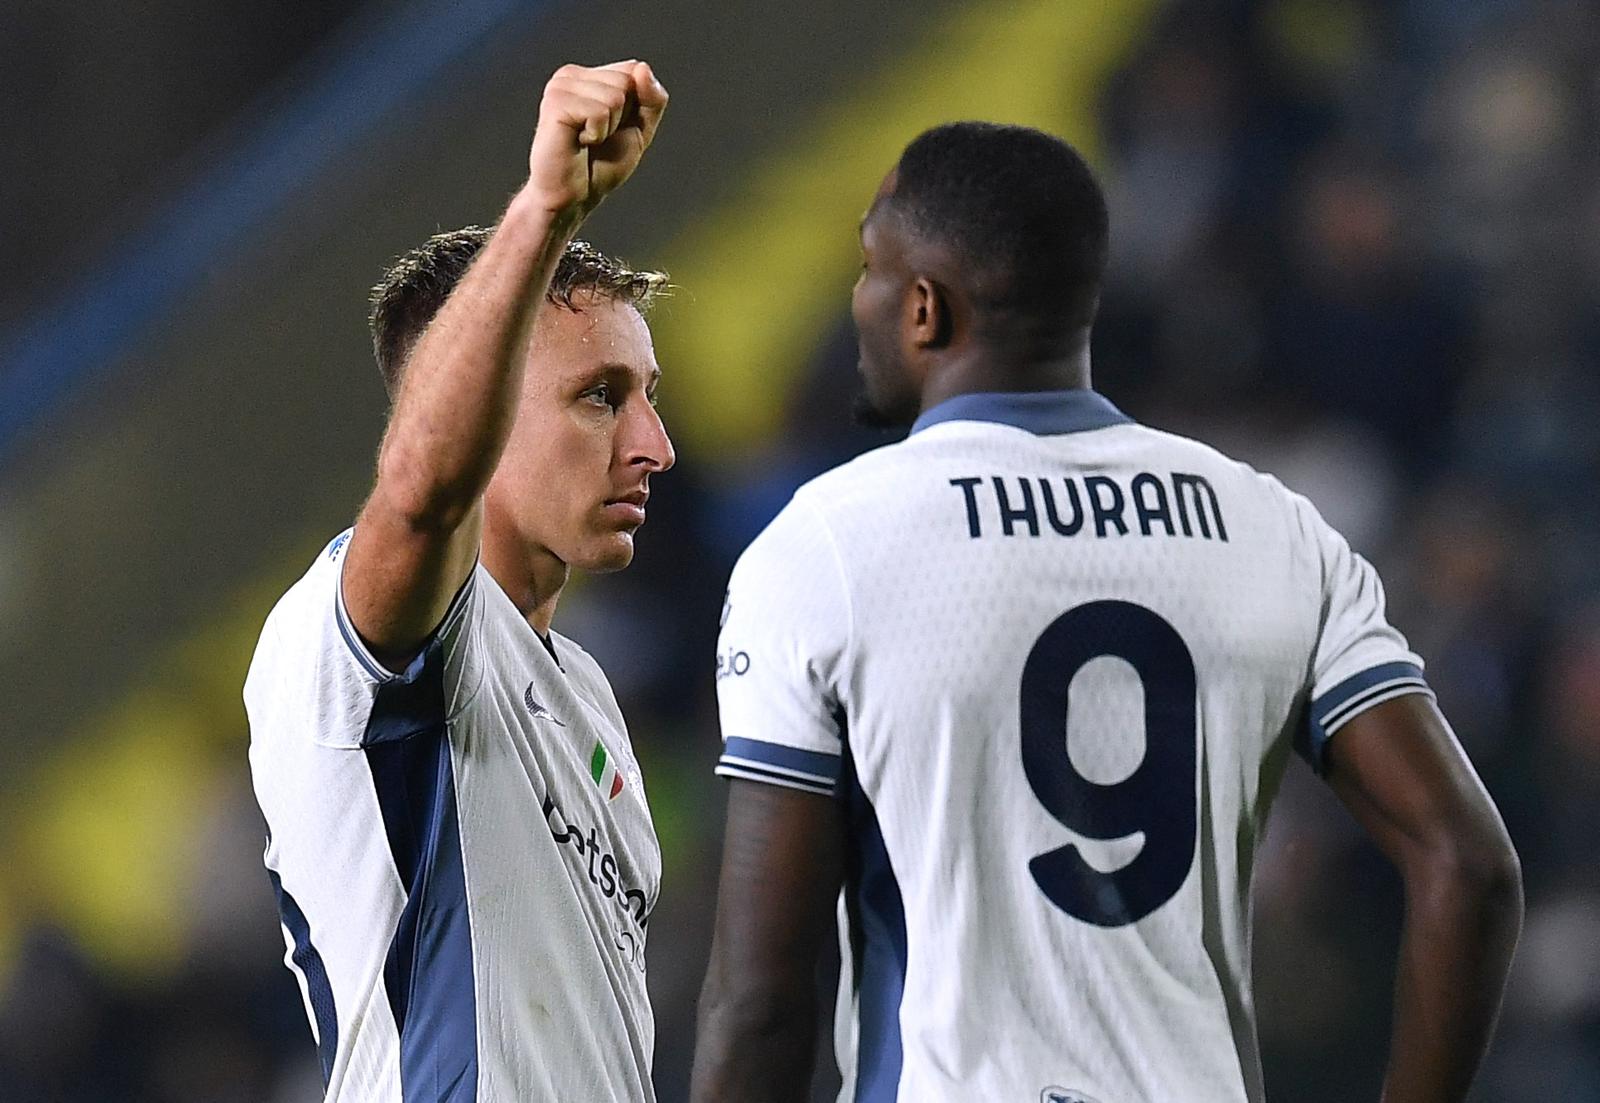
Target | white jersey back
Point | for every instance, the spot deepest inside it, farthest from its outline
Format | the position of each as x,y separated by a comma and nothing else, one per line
464,859
1053,662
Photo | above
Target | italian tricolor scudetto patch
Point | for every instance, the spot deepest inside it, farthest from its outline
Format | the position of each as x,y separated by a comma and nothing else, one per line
605,772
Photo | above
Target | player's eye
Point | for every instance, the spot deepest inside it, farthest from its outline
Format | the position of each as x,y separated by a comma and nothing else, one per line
651,397
599,394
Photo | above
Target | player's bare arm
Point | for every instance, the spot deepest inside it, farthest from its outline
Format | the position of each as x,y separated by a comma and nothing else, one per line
782,864
419,532
1400,771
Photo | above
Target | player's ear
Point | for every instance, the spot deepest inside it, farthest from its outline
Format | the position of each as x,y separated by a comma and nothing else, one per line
928,314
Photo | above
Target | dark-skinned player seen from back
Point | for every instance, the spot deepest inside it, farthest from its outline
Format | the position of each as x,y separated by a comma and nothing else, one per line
464,860
1016,694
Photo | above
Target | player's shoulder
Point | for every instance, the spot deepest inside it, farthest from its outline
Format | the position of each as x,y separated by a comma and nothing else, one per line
1178,448
823,494
861,494
302,620
310,596
1265,489
861,476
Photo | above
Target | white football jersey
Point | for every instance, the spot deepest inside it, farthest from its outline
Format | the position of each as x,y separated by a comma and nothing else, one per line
464,860
1053,662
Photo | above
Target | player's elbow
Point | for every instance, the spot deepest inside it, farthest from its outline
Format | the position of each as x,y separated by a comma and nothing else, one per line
1473,872
1495,878
420,498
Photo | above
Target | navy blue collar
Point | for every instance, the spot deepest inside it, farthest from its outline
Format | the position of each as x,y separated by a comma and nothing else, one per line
1043,413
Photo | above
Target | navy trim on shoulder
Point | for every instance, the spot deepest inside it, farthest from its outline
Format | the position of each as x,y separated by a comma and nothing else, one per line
427,974
319,990
1349,699
1043,413
877,920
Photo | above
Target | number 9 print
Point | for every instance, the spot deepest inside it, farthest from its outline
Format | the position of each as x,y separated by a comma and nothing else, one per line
1158,798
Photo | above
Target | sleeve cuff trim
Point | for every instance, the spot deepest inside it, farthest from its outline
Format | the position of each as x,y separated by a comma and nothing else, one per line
1349,699
814,765
1360,692
725,768
376,670
352,639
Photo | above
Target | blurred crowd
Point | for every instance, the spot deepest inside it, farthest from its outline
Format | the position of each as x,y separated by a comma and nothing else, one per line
1356,244
1359,247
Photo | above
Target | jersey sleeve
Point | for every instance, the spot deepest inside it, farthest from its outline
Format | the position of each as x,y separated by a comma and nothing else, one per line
781,655
1361,660
433,686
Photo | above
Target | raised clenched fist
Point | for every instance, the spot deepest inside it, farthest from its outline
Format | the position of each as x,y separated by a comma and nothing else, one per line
594,125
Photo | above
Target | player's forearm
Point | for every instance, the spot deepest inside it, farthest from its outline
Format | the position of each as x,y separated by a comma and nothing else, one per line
463,380
1463,915
755,1047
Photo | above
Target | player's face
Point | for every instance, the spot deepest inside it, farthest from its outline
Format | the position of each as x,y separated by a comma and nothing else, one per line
576,470
892,396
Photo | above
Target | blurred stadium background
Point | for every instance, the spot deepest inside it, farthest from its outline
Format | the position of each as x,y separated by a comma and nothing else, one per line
1357,242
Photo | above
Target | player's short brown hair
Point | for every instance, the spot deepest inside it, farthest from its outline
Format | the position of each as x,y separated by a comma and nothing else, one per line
417,284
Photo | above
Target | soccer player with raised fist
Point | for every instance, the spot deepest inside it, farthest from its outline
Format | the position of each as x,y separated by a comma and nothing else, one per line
464,860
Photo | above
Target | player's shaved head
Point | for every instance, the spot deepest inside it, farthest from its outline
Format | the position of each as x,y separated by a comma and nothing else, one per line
982,256
1018,210
418,283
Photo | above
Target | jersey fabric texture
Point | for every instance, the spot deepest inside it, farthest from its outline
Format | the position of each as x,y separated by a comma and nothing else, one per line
1053,662
462,853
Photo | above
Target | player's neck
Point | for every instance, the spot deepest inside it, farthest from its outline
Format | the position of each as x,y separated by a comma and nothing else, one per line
531,576
1062,365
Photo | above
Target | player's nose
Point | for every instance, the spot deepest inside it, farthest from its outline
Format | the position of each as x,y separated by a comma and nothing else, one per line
648,444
